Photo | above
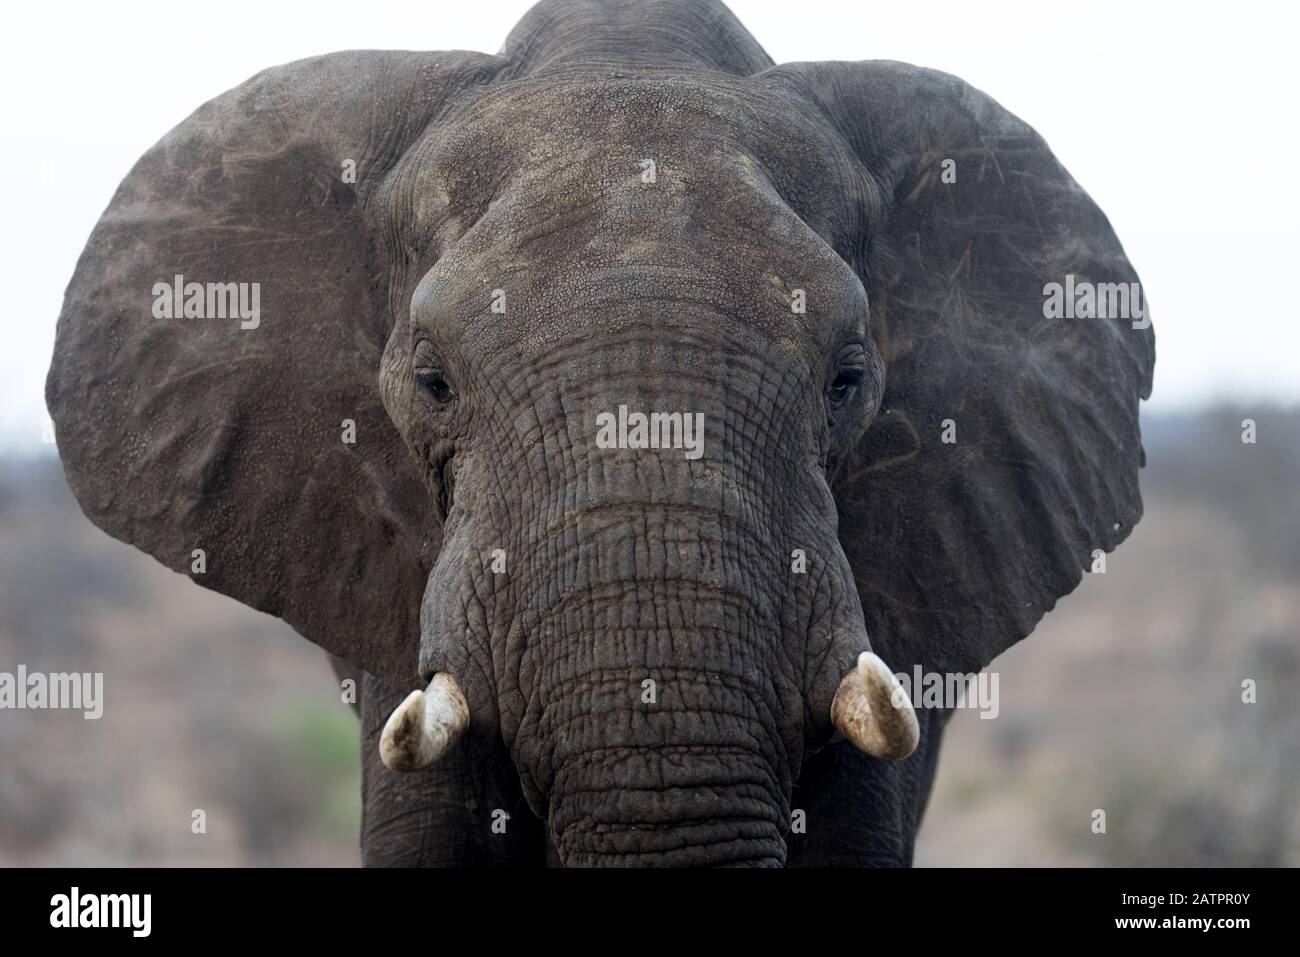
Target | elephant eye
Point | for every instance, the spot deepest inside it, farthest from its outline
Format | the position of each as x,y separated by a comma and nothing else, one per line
432,381
428,371
846,380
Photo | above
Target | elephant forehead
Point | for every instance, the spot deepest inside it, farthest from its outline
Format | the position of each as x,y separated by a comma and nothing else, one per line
570,143
577,262
597,204
528,119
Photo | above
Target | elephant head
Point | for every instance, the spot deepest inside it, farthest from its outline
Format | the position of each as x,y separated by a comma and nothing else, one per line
866,445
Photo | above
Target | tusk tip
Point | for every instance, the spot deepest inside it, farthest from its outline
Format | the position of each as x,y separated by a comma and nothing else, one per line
873,711
400,744
425,726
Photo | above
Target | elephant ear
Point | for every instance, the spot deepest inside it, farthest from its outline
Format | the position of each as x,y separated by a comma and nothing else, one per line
961,546
217,445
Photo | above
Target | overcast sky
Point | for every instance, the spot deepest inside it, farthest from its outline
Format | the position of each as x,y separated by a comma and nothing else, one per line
1179,119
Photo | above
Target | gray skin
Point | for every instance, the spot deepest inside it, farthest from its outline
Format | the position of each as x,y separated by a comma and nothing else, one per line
476,429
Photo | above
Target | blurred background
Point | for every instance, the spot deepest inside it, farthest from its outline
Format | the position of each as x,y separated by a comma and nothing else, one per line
1127,698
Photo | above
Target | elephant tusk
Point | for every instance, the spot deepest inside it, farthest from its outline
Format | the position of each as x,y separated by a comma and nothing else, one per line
425,726
872,710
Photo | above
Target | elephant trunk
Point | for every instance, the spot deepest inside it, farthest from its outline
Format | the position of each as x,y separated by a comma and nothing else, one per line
660,727
668,806
650,757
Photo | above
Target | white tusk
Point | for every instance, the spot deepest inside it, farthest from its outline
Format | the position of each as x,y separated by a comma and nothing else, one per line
425,726
872,710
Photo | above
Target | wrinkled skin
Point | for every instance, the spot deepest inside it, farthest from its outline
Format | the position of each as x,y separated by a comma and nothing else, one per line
502,271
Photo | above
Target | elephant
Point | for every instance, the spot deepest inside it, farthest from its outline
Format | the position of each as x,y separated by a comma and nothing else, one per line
624,412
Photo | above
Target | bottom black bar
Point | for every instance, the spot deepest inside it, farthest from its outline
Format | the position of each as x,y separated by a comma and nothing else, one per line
219,907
